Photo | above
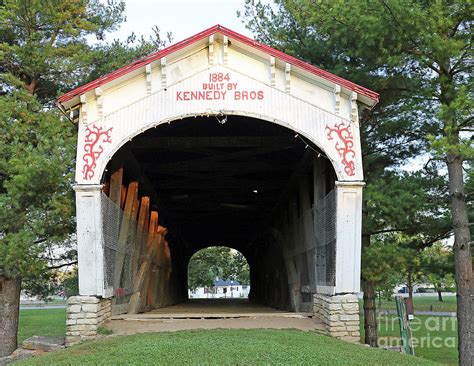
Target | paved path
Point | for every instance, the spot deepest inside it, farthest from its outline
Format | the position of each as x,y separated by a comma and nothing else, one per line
212,314
428,313
213,308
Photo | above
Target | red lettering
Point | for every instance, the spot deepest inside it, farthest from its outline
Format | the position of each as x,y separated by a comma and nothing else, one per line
178,96
260,95
215,77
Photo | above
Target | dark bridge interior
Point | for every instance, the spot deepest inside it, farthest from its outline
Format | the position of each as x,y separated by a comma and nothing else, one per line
239,182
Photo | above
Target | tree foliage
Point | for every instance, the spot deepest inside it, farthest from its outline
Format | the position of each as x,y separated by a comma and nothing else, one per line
438,266
36,206
418,56
46,49
45,43
213,263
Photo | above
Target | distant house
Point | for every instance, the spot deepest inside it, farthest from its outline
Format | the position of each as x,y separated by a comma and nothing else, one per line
221,289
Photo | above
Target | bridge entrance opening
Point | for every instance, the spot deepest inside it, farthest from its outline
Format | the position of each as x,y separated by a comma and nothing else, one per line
243,182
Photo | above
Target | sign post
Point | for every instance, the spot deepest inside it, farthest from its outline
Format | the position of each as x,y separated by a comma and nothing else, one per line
405,331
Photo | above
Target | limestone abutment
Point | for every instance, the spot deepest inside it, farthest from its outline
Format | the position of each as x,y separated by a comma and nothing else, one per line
340,314
85,314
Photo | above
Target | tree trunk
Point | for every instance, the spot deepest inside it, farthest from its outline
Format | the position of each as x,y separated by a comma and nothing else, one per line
439,288
410,288
463,261
370,316
9,307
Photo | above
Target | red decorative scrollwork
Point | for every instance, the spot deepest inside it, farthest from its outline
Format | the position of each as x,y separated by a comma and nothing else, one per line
93,149
344,145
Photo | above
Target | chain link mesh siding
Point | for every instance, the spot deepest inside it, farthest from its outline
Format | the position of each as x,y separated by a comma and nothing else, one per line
325,238
122,244
308,273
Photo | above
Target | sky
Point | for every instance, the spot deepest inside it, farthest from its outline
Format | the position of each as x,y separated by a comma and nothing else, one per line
183,18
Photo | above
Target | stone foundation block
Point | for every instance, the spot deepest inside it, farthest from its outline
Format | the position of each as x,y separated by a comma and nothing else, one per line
84,316
76,308
340,315
90,308
83,300
42,343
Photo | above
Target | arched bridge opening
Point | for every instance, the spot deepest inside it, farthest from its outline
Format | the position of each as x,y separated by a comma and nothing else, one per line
218,272
225,180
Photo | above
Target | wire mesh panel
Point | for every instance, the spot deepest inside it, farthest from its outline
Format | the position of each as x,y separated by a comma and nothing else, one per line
325,238
111,220
123,240
308,275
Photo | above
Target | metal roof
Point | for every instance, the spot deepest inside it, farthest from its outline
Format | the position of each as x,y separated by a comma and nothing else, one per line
219,282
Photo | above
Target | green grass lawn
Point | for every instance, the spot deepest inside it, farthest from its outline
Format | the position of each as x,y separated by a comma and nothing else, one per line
224,347
228,346
422,303
48,322
435,337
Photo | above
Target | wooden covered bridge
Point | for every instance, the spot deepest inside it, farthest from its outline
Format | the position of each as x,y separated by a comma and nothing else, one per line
218,140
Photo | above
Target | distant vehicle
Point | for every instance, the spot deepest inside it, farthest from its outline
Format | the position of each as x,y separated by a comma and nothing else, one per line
423,290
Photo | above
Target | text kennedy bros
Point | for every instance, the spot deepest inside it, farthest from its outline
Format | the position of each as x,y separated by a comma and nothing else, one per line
219,95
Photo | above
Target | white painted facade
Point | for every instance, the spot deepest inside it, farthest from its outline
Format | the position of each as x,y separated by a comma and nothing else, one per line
114,110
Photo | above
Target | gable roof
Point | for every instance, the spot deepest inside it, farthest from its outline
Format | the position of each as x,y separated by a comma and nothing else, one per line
220,282
371,95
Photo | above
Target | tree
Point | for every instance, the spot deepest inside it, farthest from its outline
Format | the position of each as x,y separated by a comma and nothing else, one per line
431,41
71,284
217,262
205,266
105,58
240,270
438,265
405,214
35,198
44,42
43,50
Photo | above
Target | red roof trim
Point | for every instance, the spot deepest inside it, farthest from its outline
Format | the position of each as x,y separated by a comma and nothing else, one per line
231,34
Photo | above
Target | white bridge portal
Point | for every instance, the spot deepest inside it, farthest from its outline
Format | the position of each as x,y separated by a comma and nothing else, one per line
219,140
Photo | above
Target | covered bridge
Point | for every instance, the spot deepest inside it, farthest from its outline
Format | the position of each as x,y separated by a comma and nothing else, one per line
218,140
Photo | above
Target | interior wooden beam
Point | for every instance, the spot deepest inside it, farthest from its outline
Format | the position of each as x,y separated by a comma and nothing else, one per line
141,234
130,207
210,141
250,153
116,187
106,188
140,284
123,195
144,212
153,226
